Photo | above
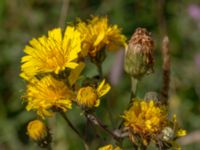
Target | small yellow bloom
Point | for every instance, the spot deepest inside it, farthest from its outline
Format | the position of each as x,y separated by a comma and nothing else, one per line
37,130
51,54
98,34
90,97
145,118
181,132
47,94
109,147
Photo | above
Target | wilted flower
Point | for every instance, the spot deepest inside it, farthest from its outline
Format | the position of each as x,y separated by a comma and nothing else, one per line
46,95
51,54
90,97
98,34
139,54
109,147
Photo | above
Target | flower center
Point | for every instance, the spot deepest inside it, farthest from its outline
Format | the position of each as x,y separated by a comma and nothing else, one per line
87,96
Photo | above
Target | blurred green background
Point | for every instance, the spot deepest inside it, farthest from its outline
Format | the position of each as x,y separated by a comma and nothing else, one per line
21,20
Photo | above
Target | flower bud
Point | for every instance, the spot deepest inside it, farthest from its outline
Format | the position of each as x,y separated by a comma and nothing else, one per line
38,132
139,54
168,134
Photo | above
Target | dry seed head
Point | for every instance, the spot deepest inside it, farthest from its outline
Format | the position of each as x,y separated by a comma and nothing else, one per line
139,54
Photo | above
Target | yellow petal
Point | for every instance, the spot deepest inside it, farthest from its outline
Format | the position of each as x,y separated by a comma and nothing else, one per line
74,74
97,103
181,132
56,34
103,88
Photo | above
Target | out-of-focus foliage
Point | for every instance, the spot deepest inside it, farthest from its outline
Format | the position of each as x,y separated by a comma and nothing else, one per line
20,20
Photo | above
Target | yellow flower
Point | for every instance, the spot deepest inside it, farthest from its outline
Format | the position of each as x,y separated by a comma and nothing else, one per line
51,54
98,34
37,130
181,132
145,118
48,93
89,96
109,147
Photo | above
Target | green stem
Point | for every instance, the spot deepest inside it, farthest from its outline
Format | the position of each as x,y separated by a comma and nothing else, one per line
134,83
74,129
49,147
100,71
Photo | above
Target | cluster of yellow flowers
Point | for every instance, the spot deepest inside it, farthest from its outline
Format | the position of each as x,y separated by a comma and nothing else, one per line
97,34
53,65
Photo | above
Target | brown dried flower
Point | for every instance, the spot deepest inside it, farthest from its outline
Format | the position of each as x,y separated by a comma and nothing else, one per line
139,54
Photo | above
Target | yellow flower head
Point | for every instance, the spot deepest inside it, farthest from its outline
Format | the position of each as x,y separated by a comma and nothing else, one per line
181,133
109,147
98,34
37,130
48,93
145,118
51,54
89,96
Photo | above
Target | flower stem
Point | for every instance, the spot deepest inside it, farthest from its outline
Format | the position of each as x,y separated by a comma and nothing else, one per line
74,129
100,71
93,119
49,147
134,82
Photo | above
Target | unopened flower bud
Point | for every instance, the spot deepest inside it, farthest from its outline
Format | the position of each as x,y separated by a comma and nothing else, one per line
168,134
38,132
151,96
139,54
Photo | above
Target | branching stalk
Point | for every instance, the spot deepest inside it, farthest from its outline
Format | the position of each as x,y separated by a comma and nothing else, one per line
93,119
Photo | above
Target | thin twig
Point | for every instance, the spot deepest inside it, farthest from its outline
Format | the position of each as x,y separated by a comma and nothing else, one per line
74,129
93,119
166,70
